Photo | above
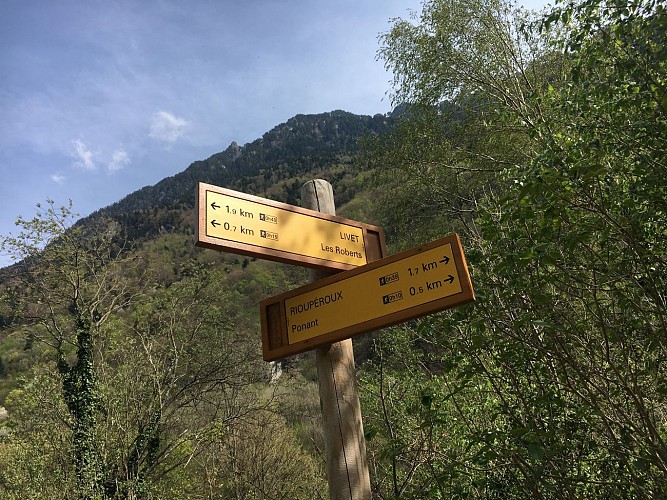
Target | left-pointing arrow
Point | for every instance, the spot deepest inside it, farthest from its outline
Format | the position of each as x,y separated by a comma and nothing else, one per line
214,223
214,206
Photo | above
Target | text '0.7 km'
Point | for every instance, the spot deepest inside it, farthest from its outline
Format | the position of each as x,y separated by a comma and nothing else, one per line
237,222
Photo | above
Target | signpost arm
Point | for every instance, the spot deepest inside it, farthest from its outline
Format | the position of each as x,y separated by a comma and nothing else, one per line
345,446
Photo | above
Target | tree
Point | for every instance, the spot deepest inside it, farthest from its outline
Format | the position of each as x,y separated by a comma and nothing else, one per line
594,263
565,240
259,457
35,451
149,371
187,368
469,81
73,280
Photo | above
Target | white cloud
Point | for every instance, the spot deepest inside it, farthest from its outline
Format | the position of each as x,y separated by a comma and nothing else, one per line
83,155
58,179
119,160
167,127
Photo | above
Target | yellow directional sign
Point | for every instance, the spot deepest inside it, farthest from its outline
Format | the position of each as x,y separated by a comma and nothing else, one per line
419,281
242,223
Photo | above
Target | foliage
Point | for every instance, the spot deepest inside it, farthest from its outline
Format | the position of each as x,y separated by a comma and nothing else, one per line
36,447
260,457
72,283
563,351
432,436
589,302
142,372
185,367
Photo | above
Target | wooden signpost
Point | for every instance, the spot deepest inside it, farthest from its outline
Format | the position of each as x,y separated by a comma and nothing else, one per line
368,291
245,224
343,430
420,281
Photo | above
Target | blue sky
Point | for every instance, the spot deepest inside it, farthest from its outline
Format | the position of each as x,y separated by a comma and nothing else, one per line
99,98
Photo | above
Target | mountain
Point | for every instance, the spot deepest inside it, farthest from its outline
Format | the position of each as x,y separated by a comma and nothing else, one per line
180,341
157,222
273,166
288,151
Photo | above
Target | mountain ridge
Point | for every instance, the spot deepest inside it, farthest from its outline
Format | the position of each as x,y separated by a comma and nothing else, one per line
320,137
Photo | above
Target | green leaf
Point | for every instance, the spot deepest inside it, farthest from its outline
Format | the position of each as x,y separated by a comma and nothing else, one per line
546,324
426,400
536,451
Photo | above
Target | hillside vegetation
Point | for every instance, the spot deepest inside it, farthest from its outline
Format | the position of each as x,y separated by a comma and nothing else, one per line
130,361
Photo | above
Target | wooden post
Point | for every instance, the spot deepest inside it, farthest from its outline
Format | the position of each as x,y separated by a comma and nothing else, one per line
344,443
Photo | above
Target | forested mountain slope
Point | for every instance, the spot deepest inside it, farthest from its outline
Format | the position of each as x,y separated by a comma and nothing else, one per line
273,166
127,308
287,150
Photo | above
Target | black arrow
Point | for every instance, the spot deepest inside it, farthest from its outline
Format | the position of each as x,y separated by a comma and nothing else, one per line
445,260
450,279
214,206
214,223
